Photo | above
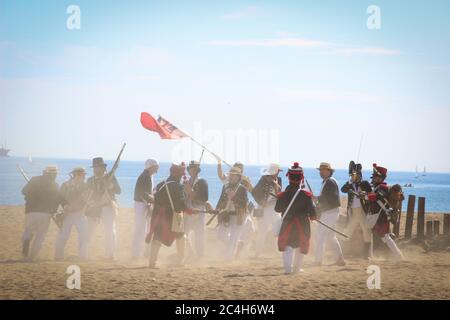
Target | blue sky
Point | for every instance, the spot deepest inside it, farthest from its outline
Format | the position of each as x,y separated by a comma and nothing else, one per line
310,69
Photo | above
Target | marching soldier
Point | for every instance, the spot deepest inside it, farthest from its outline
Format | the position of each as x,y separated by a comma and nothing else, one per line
197,196
102,205
379,206
143,206
73,193
167,223
297,208
264,191
357,206
42,199
232,206
328,204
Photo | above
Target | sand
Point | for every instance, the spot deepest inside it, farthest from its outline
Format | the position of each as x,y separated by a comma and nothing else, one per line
426,275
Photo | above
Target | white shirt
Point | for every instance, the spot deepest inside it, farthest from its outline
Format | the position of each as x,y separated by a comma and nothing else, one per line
356,202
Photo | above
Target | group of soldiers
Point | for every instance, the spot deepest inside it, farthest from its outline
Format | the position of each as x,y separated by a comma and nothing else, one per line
177,210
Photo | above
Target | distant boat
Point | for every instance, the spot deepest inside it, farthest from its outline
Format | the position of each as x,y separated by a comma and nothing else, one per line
424,171
4,152
417,172
408,185
30,160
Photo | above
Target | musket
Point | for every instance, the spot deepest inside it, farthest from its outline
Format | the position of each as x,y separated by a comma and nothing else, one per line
324,224
389,212
217,212
332,229
27,179
24,175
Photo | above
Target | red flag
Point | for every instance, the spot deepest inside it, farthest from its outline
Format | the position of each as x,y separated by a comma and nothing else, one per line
164,128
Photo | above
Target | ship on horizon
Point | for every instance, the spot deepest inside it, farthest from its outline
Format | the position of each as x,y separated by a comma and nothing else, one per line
4,152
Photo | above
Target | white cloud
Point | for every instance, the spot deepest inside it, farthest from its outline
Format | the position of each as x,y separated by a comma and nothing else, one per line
286,40
295,95
283,42
248,12
371,51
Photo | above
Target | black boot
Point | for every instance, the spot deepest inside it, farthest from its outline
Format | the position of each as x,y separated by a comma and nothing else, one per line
25,248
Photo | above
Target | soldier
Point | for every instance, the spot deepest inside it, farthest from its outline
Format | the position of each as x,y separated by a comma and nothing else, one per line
248,228
328,204
102,205
167,223
379,206
73,193
197,196
264,191
232,206
42,199
143,206
357,206
297,208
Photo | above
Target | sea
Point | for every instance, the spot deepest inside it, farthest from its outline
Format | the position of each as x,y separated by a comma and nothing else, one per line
435,187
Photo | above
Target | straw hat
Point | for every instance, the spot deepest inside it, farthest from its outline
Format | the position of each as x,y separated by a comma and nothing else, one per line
271,170
51,170
78,170
325,165
235,171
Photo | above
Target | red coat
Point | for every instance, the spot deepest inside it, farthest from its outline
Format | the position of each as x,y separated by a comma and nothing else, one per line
295,229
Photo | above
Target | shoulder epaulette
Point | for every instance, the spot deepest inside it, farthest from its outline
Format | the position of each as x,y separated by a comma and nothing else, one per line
308,193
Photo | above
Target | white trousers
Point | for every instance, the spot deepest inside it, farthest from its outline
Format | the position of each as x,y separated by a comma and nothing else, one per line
194,228
325,235
230,235
288,254
247,230
393,247
141,228
358,218
264,227
79,221
36,227
108,219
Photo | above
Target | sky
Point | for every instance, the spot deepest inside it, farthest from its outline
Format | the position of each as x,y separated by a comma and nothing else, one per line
308,81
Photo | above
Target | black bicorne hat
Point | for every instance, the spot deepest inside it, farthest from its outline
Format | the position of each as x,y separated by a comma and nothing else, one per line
354,168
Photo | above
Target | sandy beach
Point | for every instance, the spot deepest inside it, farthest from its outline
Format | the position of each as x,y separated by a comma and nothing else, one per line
424,276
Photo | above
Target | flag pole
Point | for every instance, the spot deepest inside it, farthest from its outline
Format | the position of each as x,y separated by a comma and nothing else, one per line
206,149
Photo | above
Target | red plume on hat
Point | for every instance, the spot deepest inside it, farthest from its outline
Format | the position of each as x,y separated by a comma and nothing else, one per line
379,171
295,172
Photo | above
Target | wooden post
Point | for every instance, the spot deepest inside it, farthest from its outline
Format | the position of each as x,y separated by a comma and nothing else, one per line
421,218
429,233
436,227
446,224
397,225
410,216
